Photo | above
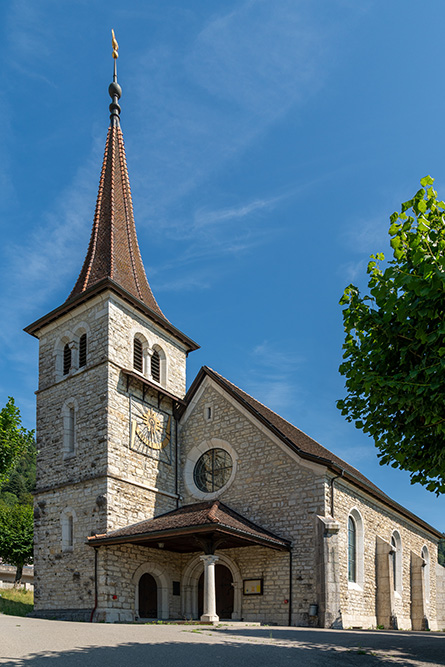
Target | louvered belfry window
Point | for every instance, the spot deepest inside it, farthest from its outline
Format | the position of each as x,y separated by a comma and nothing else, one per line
83,350
156,366
137,355
66,359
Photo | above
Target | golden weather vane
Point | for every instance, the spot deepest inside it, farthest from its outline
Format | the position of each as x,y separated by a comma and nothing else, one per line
115,45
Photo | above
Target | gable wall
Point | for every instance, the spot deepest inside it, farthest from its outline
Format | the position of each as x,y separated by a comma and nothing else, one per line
270,488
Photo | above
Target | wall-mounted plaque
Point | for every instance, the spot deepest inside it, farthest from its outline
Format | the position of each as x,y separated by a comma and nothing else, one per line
252,587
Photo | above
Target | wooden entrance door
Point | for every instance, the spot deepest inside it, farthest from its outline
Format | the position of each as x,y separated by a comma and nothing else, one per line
148,597
224,592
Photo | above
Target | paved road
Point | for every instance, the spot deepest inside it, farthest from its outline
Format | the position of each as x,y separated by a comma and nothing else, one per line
35,642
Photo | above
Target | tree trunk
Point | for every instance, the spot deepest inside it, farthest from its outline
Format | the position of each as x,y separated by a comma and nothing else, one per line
18,576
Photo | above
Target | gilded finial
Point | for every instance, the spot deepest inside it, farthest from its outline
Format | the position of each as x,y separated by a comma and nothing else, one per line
115,45
114,88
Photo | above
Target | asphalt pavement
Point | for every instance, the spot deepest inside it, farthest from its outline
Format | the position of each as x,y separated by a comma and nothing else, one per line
36,642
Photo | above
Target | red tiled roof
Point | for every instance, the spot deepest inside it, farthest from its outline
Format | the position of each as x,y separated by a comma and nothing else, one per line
210,516
113,251
301,443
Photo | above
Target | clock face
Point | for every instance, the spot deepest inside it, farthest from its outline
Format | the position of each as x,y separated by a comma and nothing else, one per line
150,429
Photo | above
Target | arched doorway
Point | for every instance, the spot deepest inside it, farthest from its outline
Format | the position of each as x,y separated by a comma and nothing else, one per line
148,596
224,592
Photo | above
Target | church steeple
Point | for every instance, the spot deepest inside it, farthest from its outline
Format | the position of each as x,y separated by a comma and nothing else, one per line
113,261
113,250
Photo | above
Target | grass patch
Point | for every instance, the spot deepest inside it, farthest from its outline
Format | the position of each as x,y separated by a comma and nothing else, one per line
16,601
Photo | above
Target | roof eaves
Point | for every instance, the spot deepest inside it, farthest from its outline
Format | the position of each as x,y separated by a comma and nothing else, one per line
186,530
97,288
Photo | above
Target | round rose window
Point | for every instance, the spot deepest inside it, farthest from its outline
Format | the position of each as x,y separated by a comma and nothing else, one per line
212,470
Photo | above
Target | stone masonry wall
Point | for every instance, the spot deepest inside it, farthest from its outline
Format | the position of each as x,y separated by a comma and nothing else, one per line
271,487
129,485
359,604
65,578
440,596
70,480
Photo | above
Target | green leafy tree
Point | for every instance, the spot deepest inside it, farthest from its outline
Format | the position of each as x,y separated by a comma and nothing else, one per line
14,438
394,349
16,536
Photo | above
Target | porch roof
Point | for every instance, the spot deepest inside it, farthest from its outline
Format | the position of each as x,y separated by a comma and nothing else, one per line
202,526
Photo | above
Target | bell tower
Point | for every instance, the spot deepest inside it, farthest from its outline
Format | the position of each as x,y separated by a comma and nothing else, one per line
111,381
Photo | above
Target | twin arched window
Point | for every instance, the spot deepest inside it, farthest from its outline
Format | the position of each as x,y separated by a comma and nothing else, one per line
71,353
154,366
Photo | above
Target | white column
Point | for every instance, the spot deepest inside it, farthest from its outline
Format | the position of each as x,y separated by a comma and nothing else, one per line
209,615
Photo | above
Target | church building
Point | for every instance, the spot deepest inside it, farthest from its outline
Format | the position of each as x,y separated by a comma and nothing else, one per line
154,502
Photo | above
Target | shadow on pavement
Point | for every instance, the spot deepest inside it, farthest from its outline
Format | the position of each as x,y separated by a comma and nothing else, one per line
271,647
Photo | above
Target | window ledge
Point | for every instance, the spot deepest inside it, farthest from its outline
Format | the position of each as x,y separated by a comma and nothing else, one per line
67,456
354,586
68,550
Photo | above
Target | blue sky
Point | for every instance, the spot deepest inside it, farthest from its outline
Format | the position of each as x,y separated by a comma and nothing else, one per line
267,145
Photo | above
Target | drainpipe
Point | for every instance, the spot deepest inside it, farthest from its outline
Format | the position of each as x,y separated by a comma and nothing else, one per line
96,549
176,458
332,491
290,587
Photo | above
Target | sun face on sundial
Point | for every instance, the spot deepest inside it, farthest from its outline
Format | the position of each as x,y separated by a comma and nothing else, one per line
152,425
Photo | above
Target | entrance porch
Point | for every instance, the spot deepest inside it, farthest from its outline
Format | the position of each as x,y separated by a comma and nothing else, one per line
191,564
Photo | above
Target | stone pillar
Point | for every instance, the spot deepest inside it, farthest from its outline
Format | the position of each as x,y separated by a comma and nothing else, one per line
328,567
209,615
419,619
384,585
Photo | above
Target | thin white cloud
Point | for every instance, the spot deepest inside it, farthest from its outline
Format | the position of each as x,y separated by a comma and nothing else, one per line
29,34
51,253
199,109
270,377
368,236
204,217
353,271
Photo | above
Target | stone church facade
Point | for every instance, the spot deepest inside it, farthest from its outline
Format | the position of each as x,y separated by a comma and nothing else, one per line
154,502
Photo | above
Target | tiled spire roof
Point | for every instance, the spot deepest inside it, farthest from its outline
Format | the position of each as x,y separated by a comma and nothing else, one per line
113,251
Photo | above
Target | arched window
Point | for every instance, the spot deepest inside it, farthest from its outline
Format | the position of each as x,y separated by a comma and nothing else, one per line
156,366
356,556
352,550
69,411
83,350
426,573
68,518
66,359
138,359
396,561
